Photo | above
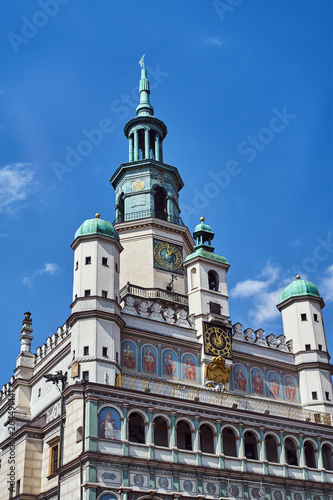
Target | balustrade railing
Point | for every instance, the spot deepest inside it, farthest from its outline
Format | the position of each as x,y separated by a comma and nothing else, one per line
153,293
145,214
200,394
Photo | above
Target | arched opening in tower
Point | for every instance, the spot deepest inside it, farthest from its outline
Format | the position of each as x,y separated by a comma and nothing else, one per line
160,203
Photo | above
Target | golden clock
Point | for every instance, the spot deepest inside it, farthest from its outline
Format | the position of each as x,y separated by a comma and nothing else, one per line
168,256
217,340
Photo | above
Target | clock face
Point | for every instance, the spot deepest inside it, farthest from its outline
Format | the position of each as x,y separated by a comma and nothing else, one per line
168,256
217,340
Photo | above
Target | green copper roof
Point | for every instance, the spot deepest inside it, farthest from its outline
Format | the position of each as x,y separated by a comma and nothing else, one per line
144,108
97,226
200,252
298,288
203,227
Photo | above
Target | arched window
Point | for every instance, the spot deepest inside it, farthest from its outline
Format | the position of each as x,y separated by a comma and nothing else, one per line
213,281
309,455
327,456
271,449
161,432
136,428
229,442
194,283
121,209
184,436
291,453
250,442
160,203
206,439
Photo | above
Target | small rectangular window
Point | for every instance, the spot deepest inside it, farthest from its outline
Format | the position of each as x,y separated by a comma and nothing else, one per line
303,317
104,261
315,317
54,457
39,392
104,294
307,347
88,260
86,350
75,296
116,267
18,486
76,265
327,396
314,395
105,351
85,376
117,357
320,347
87,293
214,308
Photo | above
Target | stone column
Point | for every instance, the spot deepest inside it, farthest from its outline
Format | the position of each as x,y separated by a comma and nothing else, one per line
124,430
130,148
263,456
197,440
283,455
150,433
157,147
173,437
320,461
136,145
241,451
302,457
147,143
219,450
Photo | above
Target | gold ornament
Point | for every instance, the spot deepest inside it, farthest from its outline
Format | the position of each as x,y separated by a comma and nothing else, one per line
217,372
137,185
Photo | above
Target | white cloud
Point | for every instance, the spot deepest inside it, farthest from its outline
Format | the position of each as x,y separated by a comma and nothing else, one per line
326,285
265,308
48,268
16,182
249,288
215,41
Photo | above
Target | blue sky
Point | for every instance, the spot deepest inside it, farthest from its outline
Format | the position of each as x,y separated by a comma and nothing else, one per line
245,89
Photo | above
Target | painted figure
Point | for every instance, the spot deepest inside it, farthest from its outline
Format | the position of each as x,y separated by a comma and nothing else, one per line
189,369
149,361
257,383
169,365
108,427
274,387
290,389
128,357
240,379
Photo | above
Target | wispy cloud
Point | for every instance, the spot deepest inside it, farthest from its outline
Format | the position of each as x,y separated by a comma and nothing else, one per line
48,268
259,290
16,183
215,41
326,284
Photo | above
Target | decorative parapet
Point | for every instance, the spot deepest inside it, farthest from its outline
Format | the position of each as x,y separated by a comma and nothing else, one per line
221,399
150,309
51,343
258,338
7,389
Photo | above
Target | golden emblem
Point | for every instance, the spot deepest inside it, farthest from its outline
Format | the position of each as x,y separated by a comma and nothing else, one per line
137,185
217,372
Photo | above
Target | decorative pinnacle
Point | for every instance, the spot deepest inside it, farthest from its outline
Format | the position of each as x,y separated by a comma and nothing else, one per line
202,219
97,216
298,277
144,108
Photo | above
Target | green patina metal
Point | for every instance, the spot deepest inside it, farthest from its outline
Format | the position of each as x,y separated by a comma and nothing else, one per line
203,236
97,226
144,108
298,288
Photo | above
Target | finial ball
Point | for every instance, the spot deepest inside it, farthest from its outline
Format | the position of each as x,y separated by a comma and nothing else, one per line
202,219
298,277
97,216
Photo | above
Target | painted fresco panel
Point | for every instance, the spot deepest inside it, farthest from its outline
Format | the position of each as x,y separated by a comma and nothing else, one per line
109,423
149,359
290,388
189,368
128,355
240,378
274,385
257,382
170,364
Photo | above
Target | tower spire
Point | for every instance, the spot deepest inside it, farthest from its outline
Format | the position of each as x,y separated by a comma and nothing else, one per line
144,108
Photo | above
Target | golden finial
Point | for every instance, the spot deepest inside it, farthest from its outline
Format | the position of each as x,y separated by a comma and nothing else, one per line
202,219
298,277
97,216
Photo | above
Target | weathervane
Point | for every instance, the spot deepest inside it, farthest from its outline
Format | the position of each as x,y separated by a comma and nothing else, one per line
142,61
170,286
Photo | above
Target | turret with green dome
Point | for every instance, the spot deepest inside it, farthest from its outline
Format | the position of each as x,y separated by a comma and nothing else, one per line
203,235
299,288
97,226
